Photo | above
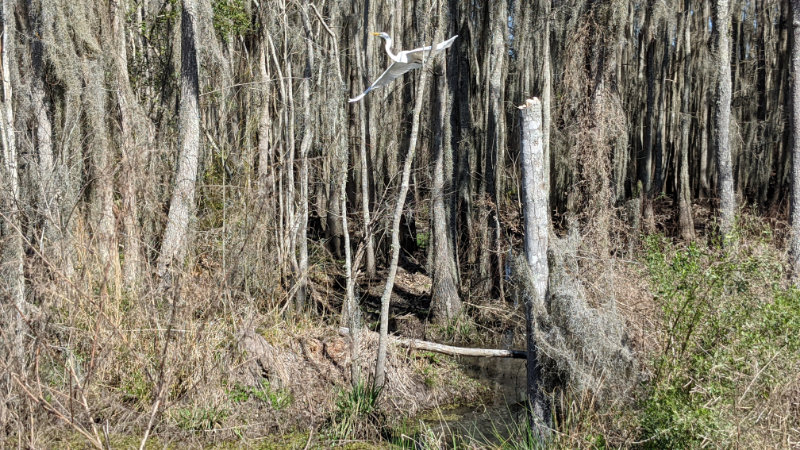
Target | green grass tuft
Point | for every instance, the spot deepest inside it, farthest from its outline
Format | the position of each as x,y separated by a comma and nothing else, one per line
278,399
355,411
199,418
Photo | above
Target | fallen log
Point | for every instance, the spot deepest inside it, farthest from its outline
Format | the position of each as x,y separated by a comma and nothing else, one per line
416,344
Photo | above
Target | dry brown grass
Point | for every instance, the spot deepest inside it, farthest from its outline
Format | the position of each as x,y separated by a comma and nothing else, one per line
107,364
315,364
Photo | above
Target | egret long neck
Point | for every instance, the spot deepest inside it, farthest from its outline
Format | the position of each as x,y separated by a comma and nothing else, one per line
392,56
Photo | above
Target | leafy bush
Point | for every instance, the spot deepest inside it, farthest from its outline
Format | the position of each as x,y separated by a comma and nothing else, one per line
230,18
730,333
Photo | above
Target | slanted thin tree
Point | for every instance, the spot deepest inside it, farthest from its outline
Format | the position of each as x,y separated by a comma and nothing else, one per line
380,363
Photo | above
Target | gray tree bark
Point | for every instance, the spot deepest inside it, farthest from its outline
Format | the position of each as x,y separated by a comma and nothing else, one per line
547,83
291,223
351,310
646,63
705,178
102,199
794,242
49,210
646,161
492,190
722,62
266,177
14,253
131,117
445,302
365,198
176,236
684,189
535,194
498,72
305,146
706,154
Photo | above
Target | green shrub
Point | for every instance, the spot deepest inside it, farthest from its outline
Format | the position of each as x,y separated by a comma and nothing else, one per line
422,240
230,18
730,332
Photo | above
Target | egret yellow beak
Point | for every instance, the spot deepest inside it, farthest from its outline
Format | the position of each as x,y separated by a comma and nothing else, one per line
376,34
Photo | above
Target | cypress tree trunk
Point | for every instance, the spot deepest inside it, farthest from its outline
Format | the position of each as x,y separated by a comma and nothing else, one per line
660,150
547,83
445,302
646,62
351,313
335,233
705,120
50,211
722,149
287,168
684,190
176,236
102,218
794,245
365,196
496,134
305,146
10,201
646,159
130,118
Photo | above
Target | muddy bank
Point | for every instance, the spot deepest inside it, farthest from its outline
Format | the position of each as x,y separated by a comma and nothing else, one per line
315,368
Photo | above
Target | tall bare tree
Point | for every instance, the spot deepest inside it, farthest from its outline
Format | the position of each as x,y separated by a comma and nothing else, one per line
684,189
492,188
134,129
445,301
722,116
305,147
102,217
794,244
380,363
13,254
175,242
369,239
649,122
547,87
49,209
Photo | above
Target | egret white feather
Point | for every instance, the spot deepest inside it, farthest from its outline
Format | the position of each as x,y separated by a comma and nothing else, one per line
403,62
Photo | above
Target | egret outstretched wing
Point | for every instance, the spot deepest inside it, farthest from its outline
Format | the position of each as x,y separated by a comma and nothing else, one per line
403,61
418,53
394,71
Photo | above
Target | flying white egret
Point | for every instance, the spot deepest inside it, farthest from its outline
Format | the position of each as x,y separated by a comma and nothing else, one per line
403,61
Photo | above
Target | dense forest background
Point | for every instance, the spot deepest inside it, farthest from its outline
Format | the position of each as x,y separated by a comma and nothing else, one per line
177,174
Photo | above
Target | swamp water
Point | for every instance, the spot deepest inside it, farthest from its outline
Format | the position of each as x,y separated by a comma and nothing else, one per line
495,416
